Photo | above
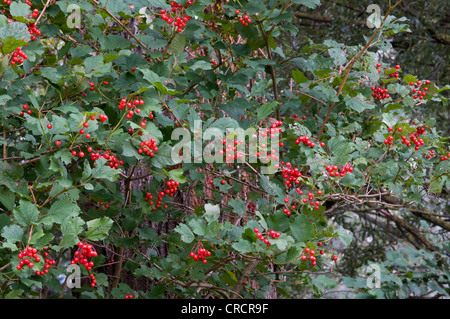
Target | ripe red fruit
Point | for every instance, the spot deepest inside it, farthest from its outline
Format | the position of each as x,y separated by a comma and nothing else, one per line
49,126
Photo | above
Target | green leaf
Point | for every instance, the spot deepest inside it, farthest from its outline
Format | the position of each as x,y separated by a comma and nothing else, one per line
178,43
12,233
93,62
299,77
61,210
18,9
26,213
266,109
103,171
198,226
358,103
302,229
177,175
150,76
323,282
308,3
212,212
98,228
345,235
238,206
243,246
4,98
7,198
186,234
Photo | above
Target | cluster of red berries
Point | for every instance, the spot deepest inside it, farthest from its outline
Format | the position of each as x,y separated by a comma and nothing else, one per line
333,170
177,15
413,138
131,105
35,13
291,175
251,207
306,141
417,93
432,154
296,118
17,57
148,147
231,150
129,296
380,93
198,252
244,19
391,74
32,27
264,239
418,142
310,254
390,138
25,109
82,256
272,129
31,252
310,199
172,187
113,161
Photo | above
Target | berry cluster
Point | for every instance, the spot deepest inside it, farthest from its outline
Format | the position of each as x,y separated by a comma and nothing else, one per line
17,57
244,19
131,105
261,237
419,130
394,74
269,131
310,199
418,91
413,138
291,175
231,150
25,108
177,15
129,296
198,252
310,254
31,252
82,256
148,147
334,170
172,187
113,161
432,154
380,93
251,207
296,118
32,27
307,141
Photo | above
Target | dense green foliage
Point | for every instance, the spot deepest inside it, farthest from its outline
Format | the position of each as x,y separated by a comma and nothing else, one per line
360,171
